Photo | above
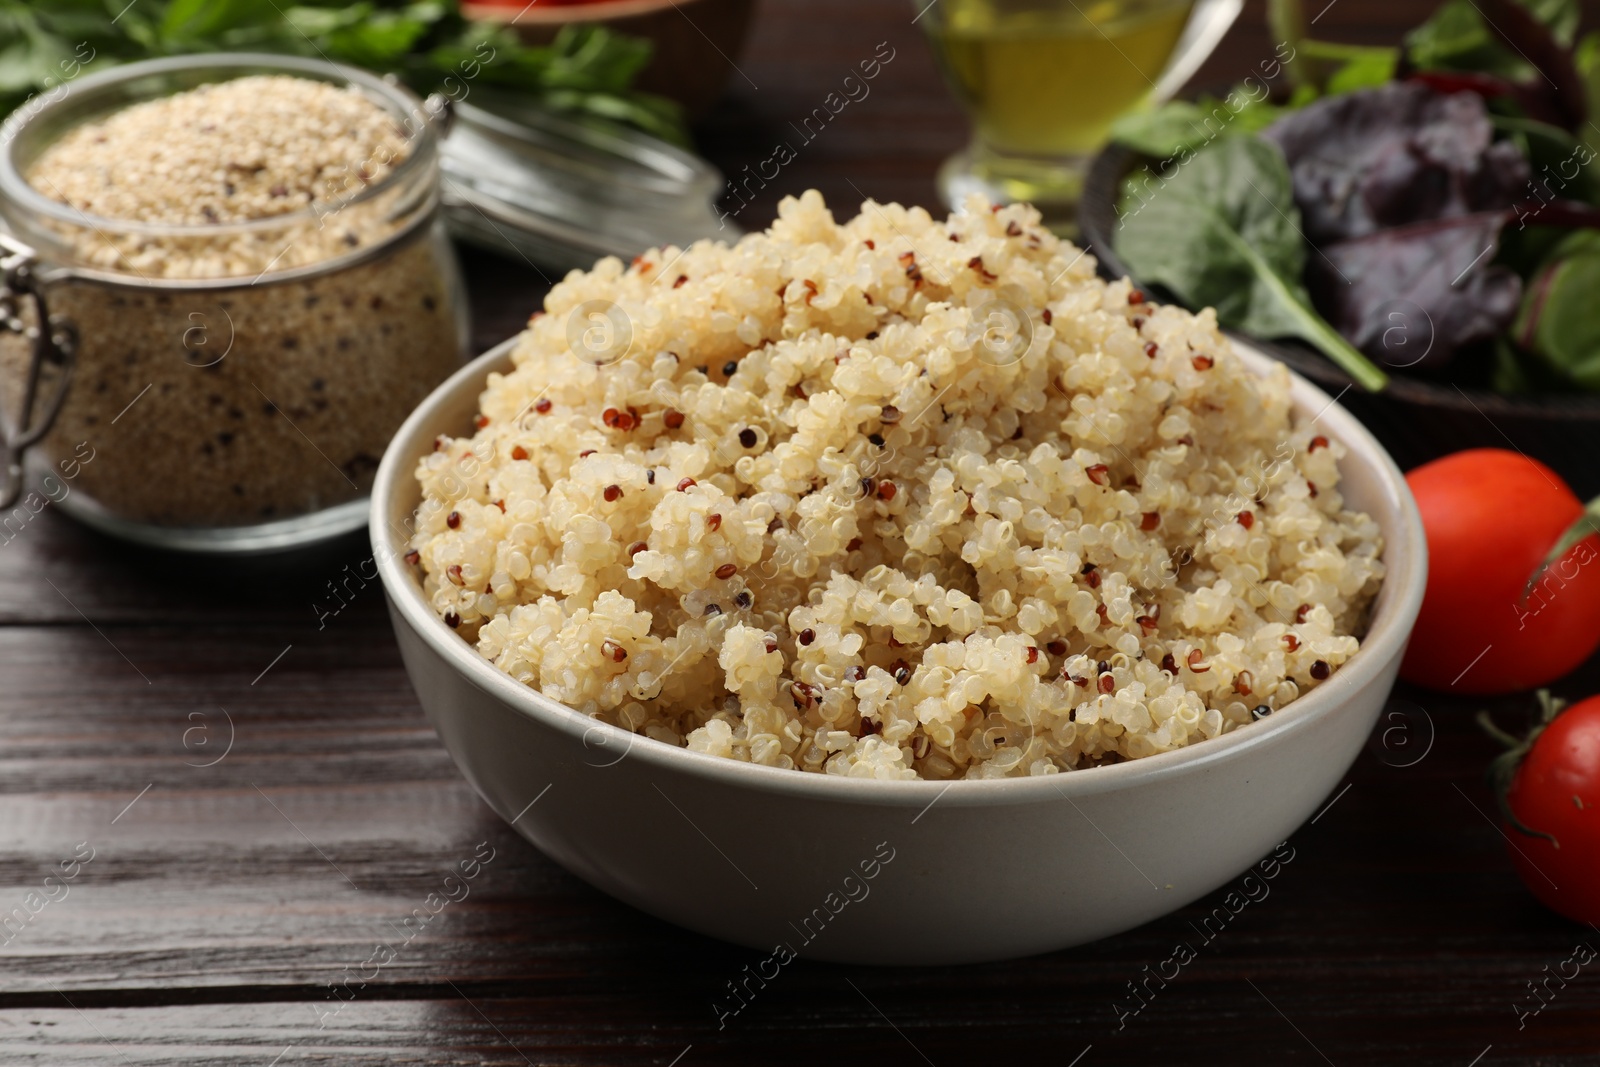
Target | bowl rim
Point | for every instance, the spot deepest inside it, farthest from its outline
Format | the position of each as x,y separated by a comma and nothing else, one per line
1394,612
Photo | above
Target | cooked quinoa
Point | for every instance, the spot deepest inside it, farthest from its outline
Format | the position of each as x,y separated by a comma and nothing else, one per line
896,498
243,150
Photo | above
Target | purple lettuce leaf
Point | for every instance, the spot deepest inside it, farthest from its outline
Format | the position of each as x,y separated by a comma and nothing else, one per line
1413,296
1394,155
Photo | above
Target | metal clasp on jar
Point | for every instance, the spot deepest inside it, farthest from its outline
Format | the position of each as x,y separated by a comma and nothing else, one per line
437,111
54,346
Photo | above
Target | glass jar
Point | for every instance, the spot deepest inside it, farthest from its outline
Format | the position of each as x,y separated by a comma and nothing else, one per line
226,387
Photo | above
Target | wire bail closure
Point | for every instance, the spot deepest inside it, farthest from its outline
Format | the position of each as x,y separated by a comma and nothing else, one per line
55,345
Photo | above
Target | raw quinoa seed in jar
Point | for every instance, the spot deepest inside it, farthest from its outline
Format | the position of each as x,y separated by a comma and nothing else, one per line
248,286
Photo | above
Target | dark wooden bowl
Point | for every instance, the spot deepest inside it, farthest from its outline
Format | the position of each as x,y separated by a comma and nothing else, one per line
1415,419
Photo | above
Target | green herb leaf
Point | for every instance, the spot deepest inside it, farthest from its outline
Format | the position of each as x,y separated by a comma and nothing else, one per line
1179,124
380,41
1562,16
1586,58
1369,69
187,22
1560,160
586,71
1162,131
1508,375
1222,230
1557,321
1286,20
1456,37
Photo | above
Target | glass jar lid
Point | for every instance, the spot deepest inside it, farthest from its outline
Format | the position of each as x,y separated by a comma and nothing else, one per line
563,193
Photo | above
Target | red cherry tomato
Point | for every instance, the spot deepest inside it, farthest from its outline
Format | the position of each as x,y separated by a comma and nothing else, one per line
1490,517
1556,791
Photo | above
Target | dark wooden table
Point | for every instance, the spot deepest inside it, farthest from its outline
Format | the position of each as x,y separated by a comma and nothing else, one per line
263,801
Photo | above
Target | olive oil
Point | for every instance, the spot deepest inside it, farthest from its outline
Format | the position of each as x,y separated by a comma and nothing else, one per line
1047,79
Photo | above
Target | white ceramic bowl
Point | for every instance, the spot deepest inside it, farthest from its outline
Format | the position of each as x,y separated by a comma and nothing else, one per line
960,871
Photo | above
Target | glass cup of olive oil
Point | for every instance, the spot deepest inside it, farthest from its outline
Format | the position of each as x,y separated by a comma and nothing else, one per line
1044,80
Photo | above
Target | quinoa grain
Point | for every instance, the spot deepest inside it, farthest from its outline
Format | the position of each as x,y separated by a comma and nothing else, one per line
933,611
267,400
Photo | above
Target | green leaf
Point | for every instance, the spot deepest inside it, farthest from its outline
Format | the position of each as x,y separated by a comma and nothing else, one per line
1331,67
1586,58
378,41
1162,131
429,44
1558,320
1456,37
1219,227
1453,38
1562,16
199,20
321,21
1559,160
22,65
593,55
1366,71
1508,376
1179,124
1286,19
